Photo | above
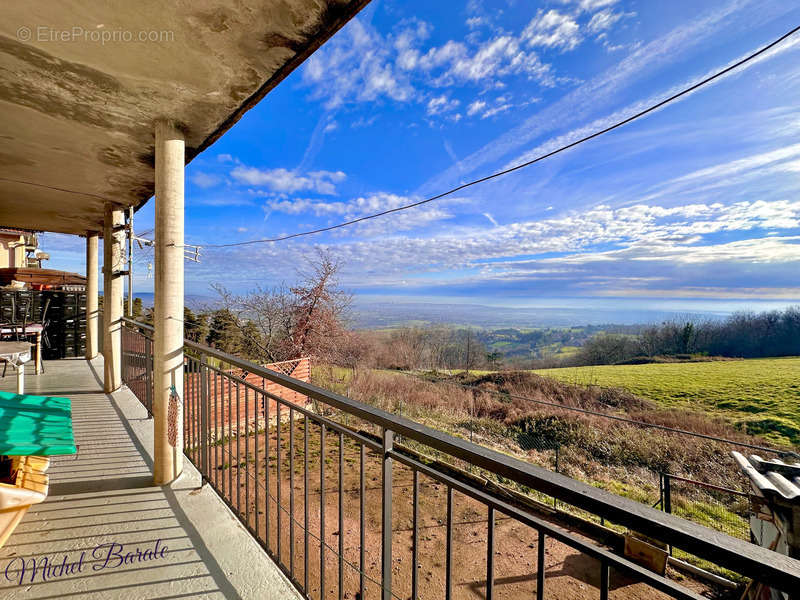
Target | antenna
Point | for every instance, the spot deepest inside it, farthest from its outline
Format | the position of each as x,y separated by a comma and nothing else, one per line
191,252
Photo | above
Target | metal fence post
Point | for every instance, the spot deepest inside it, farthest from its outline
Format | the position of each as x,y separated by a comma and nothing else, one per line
203,418
540,572
604,580
557,452
148,375
386,520
667,500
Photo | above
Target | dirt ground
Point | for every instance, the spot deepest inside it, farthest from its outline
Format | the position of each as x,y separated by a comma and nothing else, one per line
569,574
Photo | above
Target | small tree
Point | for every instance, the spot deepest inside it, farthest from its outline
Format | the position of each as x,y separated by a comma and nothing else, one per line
195,325
493,358
224,334
137,308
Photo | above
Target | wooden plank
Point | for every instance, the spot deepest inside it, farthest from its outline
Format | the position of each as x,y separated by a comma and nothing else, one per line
647,555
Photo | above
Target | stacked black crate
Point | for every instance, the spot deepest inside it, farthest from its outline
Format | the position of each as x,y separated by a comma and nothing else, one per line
65,317
74,319
80,323
55,328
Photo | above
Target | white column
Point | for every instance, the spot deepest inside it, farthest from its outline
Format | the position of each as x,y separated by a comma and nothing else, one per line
91,295
168,343
113,238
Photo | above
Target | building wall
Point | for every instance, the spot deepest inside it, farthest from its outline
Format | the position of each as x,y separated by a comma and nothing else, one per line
12,250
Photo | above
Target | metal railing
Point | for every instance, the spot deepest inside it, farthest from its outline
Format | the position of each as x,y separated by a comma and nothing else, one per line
302,483
137,366
548,438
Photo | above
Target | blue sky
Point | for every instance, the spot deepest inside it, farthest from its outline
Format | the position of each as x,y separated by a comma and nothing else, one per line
696,203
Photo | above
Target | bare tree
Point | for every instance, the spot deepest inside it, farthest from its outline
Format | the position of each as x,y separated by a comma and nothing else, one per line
319,309
282,323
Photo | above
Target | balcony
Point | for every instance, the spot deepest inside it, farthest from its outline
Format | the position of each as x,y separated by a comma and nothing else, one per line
105,495
191,480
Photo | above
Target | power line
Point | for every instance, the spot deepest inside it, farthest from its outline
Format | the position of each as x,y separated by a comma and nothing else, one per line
449,192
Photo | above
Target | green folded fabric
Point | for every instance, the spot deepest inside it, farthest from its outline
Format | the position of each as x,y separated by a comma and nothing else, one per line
35,425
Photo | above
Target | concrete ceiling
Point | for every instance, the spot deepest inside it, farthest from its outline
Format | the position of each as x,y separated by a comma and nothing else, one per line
77,115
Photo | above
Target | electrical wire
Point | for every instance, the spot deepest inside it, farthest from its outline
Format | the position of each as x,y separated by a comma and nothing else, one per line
542,157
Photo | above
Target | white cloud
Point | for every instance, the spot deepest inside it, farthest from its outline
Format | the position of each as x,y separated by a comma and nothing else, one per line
441,104
589,5
286,181
593,96
491,219
443,55
299,206
356,65
494,59
609,119
673,247
753,251
204,180
499,108
363,122
733,167
360,65
366,205
499,105
603,20
475,107
553,29
640,231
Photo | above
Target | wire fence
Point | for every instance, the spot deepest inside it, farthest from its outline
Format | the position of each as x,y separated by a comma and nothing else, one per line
709,489
716,496
719,507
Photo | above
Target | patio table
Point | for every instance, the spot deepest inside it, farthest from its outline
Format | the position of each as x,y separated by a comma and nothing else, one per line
16,354
35,425
34,331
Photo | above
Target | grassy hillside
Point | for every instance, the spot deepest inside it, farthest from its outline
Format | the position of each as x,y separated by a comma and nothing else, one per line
762,395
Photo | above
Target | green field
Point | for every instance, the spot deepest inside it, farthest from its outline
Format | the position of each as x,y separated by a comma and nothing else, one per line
763,395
